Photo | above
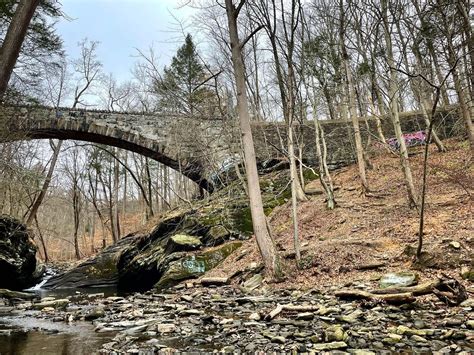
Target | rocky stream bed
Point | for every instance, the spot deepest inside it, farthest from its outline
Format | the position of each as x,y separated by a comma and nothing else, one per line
209,318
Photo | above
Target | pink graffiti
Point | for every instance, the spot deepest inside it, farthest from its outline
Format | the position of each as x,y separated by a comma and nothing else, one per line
411,140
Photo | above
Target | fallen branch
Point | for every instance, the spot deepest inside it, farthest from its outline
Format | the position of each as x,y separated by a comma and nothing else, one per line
371,266
406,297
447,289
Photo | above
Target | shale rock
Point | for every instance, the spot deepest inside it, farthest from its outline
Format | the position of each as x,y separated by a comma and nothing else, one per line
17,255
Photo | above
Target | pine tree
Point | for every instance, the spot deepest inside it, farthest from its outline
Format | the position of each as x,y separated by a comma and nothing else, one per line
182,88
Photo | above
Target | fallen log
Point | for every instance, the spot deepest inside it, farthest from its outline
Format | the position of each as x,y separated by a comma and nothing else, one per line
406,297
370,266
216,281
418,290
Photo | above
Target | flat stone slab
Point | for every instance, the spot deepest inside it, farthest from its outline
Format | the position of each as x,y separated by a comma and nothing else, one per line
398,279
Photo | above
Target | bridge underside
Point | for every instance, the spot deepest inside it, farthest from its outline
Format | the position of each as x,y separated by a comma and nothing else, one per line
193,171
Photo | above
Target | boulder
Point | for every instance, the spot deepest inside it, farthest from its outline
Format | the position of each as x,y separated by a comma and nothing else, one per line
185,266
99,271
17,255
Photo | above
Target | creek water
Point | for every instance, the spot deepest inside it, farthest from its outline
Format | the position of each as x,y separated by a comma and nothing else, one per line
28,335
23,333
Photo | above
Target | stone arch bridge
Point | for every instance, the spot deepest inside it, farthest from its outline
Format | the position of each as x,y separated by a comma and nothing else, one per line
196,147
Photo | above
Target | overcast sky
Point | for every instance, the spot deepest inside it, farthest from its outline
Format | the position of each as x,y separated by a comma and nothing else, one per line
121,26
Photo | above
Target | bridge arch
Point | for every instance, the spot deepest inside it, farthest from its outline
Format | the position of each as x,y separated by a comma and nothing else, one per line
102,128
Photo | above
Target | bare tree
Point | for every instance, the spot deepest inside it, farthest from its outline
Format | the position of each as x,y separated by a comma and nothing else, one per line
394,98
352,105
262,234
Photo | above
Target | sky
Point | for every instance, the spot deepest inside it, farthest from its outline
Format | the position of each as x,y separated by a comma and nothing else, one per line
121,26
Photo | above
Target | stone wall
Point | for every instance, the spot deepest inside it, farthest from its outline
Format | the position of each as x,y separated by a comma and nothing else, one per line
269,138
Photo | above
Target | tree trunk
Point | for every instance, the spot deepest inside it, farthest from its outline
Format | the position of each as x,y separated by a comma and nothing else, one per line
394,99
13,41
43,242
39,200
352,105
264,239
116,198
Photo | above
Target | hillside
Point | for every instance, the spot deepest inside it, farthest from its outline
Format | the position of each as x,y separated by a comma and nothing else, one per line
367,235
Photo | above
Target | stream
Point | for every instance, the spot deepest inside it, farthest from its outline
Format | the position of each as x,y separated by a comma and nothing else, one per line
23,332
29,335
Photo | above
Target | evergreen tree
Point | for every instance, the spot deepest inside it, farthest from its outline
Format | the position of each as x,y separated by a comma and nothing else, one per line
182,88
41,45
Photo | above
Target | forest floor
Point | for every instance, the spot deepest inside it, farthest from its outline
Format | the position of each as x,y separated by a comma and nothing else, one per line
365,236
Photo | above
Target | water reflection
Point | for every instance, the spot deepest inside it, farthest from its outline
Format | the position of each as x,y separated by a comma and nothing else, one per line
66,292
33,336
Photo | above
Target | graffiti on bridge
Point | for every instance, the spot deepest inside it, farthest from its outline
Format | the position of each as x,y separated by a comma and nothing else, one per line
411,140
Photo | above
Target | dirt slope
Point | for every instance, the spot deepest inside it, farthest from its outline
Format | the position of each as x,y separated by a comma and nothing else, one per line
377,232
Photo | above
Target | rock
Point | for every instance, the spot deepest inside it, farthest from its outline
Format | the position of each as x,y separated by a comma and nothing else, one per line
467,273
94,313
165,328
217,234
335,333
324,311
398,279
404,330
57,304
251,284
330,346
99,271
17,255
468,303
352,317
255,316
278,339
192,266
455,245
392,338
228,349
418,339
182,242
470,324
